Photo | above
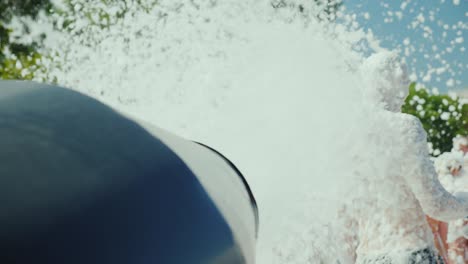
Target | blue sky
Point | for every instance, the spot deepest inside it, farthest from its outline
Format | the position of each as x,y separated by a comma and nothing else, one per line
432,32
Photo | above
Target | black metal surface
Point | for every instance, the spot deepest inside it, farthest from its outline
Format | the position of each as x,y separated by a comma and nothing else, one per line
80,183
253,202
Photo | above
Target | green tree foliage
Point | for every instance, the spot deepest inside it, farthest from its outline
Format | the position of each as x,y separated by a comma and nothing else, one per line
11,8
103,14
442,116
322,10
19,60
328,9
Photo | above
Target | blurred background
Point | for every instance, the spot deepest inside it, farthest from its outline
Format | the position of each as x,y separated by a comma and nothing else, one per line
429,35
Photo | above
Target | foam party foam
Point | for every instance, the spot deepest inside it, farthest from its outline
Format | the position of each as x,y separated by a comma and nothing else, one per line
278,93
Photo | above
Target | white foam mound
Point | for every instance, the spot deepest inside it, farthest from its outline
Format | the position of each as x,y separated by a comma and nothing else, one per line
273,91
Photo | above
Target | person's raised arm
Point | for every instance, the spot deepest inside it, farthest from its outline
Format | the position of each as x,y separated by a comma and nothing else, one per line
422,177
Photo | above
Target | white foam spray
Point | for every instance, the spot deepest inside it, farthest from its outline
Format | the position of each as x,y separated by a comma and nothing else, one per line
273,91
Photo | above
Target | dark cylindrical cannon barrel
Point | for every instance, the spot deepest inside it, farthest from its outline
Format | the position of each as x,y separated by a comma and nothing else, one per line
81,183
